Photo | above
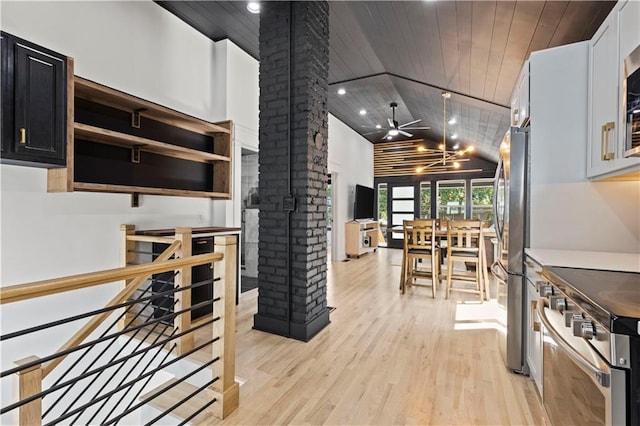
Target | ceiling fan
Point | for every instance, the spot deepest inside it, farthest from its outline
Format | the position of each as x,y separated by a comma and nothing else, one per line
395,129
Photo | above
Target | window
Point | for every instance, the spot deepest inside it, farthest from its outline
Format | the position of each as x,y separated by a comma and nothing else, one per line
451,199
482,199
425,200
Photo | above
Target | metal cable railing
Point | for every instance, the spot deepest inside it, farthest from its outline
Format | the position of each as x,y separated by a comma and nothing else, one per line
141,348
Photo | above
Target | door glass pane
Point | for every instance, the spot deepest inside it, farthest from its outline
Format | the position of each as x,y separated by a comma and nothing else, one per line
399,217
425,200
482,200
402,206
451,199
403,192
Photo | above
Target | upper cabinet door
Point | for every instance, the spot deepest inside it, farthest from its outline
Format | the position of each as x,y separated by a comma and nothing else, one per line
603,98
34,121
520,98
618,35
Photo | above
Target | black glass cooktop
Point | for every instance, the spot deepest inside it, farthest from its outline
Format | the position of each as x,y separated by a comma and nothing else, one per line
611,297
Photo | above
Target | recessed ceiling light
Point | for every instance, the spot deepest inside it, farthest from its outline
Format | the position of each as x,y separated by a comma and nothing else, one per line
454,136
636,111
452,120
470,148
363,111
341,91
389,137
456,146
253,7
378,126
393,132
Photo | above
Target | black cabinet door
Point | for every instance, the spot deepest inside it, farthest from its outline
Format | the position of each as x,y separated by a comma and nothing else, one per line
203,275
201,279
34,108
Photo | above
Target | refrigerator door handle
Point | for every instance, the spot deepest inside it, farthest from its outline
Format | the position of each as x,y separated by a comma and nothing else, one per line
496,222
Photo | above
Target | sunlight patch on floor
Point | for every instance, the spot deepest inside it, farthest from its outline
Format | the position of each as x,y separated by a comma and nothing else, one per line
474,315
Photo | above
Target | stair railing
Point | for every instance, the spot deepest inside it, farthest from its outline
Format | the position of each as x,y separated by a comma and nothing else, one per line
140,341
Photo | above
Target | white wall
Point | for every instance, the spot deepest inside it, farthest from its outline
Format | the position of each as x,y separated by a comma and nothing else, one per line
593,216
351,160
243,95
136,47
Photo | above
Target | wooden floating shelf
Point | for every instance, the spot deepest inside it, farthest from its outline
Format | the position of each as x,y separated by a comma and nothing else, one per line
120,143
126,189
97,134
94,92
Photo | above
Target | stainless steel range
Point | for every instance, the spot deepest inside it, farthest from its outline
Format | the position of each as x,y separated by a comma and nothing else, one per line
591,346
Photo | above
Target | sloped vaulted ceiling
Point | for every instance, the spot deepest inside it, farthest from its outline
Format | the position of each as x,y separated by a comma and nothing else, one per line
409,52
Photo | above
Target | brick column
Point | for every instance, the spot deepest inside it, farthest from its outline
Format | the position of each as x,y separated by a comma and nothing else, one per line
292,252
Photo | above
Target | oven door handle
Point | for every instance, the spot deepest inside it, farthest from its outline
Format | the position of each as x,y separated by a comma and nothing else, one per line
603,377
499,272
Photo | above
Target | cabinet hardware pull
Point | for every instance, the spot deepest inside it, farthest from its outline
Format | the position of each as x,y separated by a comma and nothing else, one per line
23,135
606,155
535,326
201,242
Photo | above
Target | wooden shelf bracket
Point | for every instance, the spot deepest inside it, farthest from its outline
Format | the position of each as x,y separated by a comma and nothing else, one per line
135,117
135,154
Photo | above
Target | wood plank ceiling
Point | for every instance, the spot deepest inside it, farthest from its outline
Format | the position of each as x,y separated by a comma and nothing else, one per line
409,52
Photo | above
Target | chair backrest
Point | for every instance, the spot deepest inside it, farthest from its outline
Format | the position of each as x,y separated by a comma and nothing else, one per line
464,235
419,233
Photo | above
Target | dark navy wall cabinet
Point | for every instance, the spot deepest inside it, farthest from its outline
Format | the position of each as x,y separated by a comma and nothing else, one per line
34,104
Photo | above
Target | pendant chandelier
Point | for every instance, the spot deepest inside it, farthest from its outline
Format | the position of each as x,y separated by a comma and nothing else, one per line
443,159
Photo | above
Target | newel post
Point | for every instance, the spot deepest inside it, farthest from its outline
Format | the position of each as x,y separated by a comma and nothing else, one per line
226,390
182,322
127,256
29,383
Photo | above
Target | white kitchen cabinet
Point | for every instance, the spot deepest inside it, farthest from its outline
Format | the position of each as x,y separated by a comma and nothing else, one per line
615,38
534,335
520,98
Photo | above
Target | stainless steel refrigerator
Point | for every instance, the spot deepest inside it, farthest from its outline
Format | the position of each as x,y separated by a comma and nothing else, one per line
510,222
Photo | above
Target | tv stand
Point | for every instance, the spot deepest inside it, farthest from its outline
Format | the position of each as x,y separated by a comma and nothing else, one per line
361,237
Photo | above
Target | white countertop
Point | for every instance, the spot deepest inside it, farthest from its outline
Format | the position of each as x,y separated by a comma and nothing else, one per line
611,261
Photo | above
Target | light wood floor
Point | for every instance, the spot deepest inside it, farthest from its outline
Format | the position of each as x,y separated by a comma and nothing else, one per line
386,358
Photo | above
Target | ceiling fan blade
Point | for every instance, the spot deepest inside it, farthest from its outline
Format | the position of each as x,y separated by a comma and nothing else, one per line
402,126
385,136
391,125
416,128
407,134
374,132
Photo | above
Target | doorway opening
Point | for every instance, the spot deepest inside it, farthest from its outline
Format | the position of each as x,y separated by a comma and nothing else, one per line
250,201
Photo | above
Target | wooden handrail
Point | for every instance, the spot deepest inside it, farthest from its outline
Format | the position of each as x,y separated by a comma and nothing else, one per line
225,389
150,239
16,293
95,321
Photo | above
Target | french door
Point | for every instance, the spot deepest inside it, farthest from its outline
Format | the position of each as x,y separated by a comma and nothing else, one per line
401,205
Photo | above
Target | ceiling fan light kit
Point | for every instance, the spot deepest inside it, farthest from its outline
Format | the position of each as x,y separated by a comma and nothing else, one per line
396,129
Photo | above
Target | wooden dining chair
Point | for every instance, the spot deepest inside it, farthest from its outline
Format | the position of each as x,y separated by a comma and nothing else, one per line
420,244
465,243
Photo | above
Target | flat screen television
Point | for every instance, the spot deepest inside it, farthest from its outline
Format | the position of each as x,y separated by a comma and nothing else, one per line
364,203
